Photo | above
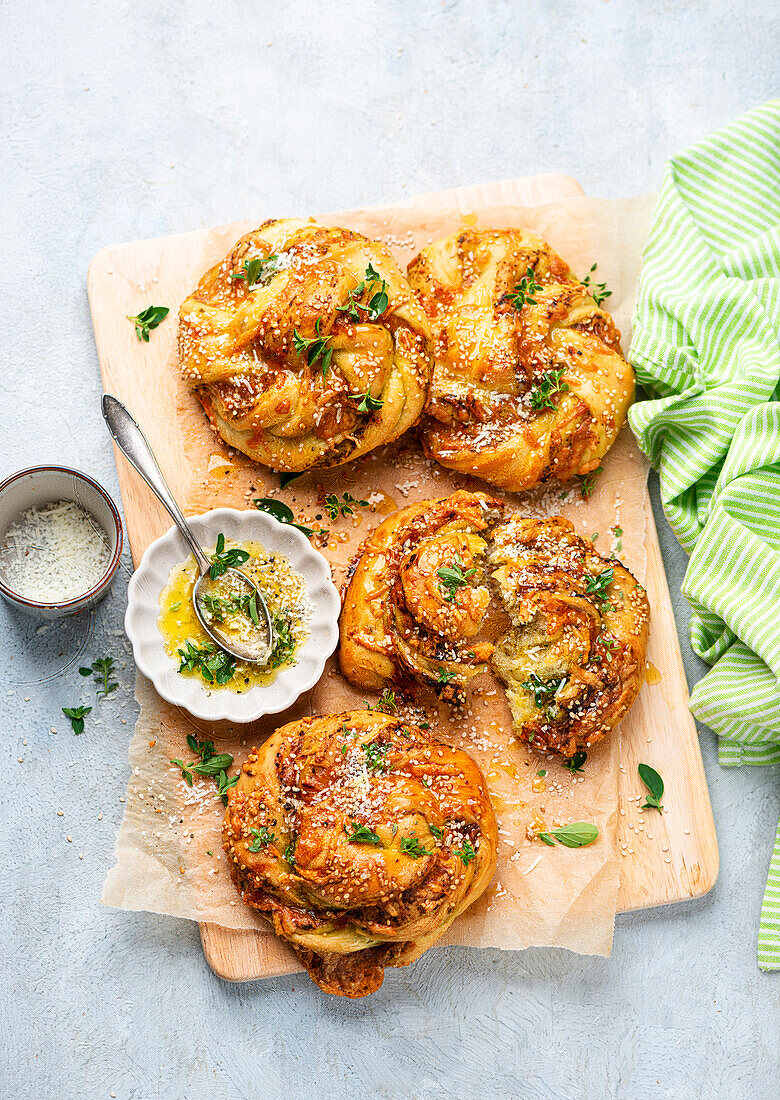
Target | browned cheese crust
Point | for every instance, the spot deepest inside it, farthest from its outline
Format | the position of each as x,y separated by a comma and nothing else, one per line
526,386
563,628
360,838
400,620
574,660
306,346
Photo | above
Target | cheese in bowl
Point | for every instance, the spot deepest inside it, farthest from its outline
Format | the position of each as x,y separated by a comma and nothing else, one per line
225,606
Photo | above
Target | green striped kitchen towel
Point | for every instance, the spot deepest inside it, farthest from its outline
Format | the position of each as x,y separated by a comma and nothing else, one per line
706,344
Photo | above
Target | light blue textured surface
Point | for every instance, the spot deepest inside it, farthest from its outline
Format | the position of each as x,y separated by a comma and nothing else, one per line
126,120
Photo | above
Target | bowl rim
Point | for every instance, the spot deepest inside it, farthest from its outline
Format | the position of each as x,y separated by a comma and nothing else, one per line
227,706
113,564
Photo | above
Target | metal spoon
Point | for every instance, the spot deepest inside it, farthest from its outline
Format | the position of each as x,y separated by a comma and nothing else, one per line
133,444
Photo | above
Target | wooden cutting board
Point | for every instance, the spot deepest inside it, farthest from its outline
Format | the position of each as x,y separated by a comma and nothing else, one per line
681,861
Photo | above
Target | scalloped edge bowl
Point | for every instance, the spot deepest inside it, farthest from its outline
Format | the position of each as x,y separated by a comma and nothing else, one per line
143,608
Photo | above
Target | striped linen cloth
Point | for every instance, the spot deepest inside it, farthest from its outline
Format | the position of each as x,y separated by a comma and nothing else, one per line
706,345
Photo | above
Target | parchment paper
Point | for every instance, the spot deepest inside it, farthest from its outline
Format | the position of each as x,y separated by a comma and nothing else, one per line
169,857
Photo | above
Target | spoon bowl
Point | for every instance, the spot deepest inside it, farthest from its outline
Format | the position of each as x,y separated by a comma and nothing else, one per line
254,643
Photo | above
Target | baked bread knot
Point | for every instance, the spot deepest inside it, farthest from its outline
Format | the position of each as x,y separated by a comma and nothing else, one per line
574,659
361,839
306,346
416,600
529,382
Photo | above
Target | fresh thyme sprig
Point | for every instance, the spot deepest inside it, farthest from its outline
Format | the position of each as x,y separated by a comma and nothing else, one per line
598,291
522,292
343,507
588,482
104,670
550,385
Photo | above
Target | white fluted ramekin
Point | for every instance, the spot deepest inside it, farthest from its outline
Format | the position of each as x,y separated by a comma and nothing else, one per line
193,692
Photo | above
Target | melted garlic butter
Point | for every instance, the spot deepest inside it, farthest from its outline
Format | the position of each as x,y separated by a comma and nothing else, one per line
284,590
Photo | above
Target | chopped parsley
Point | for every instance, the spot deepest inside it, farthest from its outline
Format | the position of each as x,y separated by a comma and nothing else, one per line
543,392
148,319
376,761
453,576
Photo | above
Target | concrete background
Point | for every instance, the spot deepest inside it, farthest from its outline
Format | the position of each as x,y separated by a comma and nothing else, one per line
125,120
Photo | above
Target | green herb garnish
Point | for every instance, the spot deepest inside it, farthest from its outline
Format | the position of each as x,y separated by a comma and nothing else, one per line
368,404
466,853
104,670
386,702
285,644
574,763
76,715
588,483
411,846
262,838
543,690
148,319
257,271
377,303
437,832
281,512
361,834
597,586
445,675
289,852
343,507
214,665
598,291
453,577
655,785
210,764
375,756
522,291
318,347
543,392
222,559
576,835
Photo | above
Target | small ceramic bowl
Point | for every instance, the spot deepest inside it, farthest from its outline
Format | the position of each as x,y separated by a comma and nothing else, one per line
41,485
192,692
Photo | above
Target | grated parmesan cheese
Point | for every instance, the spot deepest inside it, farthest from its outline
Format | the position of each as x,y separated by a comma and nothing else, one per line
54,553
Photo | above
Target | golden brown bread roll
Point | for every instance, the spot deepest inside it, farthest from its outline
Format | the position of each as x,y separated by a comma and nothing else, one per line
415,602
306,346
361,839
574,660
529,382
567,628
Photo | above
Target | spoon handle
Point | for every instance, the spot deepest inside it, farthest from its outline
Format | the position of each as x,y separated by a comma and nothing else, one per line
134,445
